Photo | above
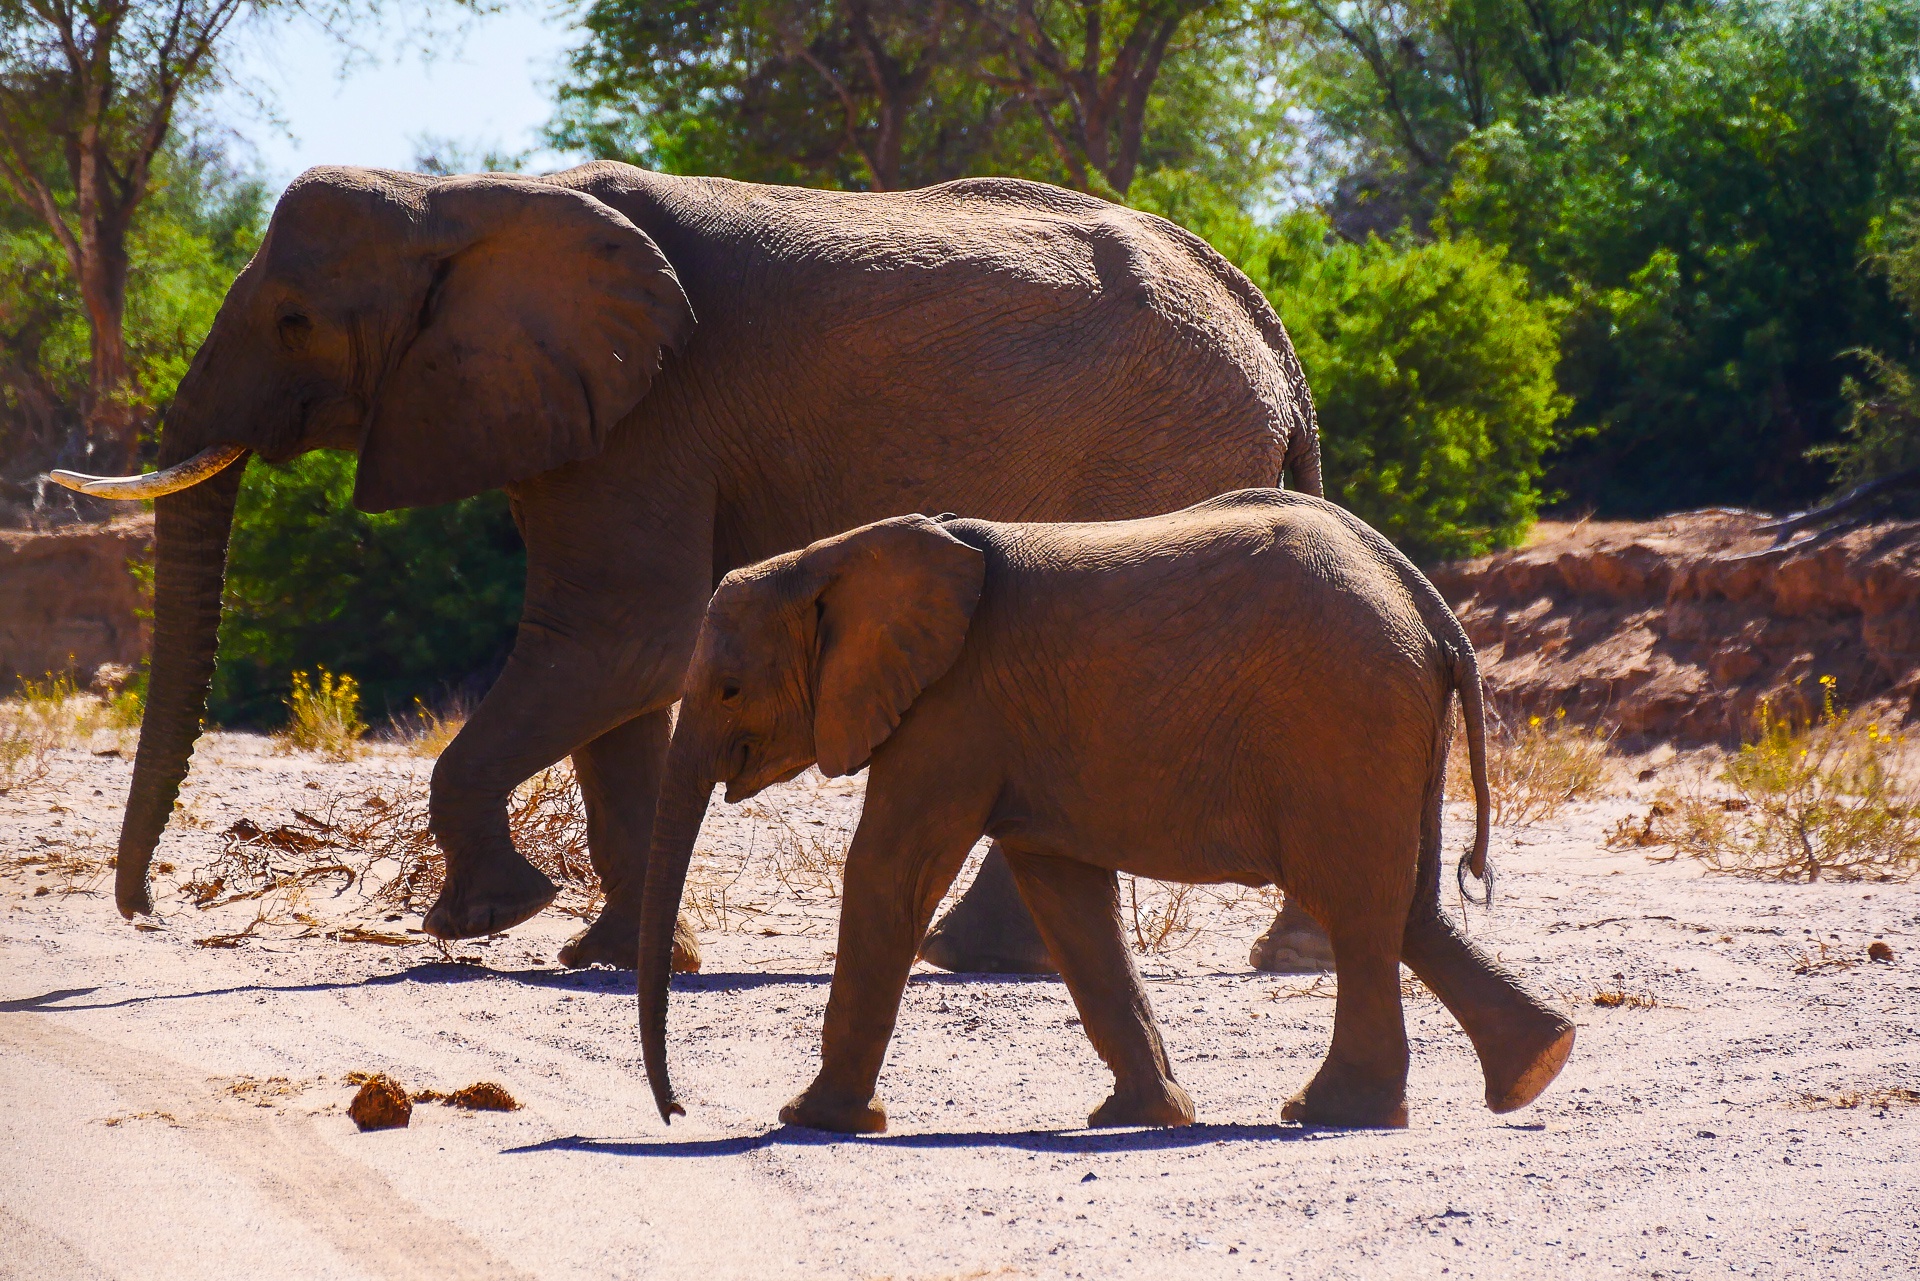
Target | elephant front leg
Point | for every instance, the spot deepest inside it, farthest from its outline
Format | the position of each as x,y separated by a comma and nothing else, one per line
539,711
619,776
1077,909
901,862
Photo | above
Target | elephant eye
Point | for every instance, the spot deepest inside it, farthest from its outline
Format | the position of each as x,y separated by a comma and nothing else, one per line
294,329
729,691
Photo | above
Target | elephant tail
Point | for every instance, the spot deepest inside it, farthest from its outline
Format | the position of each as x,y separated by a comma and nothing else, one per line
1463,678
1465,665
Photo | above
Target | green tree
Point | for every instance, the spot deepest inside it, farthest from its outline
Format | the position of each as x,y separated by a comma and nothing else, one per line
409,602
88,92
198,225
1432,367
886,94
1708,207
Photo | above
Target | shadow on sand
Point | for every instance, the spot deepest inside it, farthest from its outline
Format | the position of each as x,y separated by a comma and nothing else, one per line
445,972
1066,1142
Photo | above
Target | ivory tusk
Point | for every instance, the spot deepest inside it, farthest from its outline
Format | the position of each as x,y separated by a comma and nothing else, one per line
154,484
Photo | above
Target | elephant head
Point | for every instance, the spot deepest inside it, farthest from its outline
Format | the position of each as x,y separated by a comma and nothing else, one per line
458,334
811,657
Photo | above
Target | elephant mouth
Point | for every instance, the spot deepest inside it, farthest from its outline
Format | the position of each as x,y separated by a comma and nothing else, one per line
749,778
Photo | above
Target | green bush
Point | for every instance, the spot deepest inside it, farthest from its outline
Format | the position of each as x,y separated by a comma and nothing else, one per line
1706,207
407,602
1432,369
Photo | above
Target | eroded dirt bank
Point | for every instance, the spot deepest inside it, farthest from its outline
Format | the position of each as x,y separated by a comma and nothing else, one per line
1674,629
68,601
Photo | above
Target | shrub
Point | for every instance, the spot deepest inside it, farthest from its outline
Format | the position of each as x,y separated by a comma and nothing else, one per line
323,716
1533,767
1823,797
1431,365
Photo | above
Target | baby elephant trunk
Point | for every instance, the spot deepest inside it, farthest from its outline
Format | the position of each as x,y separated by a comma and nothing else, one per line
683,805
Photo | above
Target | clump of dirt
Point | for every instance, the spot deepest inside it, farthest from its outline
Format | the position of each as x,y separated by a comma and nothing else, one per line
381,1104
1879,951
1675,629
481,1096
484,1096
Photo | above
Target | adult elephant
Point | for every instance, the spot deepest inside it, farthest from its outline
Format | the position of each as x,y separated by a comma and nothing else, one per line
672,377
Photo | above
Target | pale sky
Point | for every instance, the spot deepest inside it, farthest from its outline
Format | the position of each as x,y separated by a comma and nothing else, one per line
489,87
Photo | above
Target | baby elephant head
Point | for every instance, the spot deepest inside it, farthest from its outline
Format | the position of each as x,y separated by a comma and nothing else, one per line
815,656
811,656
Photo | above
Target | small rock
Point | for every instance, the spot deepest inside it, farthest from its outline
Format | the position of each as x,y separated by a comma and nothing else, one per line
1705,1134
381,1104
1879,951
1088,1177
1646,775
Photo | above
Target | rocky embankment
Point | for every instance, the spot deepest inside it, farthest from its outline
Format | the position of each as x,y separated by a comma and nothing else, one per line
1675,629
69,601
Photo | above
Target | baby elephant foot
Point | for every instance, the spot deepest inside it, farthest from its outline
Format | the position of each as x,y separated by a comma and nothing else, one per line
1347,1102
1519,1066
817,1110
496,896
614,940
1161,1103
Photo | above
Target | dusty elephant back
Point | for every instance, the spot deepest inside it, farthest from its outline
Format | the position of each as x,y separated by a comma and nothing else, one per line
1253,646
1032,354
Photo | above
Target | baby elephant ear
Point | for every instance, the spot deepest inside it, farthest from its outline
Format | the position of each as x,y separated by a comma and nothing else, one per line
540,323
894,602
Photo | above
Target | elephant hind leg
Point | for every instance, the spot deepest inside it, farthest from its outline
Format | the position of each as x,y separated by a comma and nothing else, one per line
1521,1043
1363,1082
1076,907
619,775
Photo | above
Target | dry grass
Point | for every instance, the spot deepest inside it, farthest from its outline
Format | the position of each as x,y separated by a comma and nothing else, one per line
426,731
323,716
378,837
1827,798
47,715
1847,1099
1163,917
1616,998
70,865
1534,767
809,859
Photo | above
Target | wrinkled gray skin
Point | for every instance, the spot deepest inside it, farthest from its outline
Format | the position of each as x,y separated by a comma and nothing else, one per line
672,377
1254,690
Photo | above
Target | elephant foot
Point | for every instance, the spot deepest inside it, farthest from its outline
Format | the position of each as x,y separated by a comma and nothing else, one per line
1519,1067
614,940
1162,1103
989,931
1293,944
1344,1100
496,896
817,1111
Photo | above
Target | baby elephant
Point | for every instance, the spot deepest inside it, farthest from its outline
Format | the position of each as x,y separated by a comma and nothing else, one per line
1254,690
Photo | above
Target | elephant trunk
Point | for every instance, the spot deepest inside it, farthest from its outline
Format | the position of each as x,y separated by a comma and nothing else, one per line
682,807
191,529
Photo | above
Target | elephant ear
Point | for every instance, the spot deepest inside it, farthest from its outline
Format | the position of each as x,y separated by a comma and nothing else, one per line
541,325
893,606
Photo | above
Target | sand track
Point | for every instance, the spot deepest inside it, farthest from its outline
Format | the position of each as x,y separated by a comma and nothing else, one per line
143,1131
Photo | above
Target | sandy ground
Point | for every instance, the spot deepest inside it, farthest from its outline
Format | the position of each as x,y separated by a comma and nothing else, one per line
177,1110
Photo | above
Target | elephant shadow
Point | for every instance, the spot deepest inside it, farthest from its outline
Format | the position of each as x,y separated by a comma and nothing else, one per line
1056,1142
